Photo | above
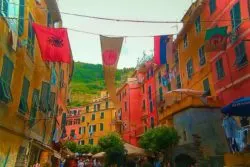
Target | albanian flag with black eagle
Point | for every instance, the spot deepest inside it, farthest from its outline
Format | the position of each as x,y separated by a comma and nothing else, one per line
54,43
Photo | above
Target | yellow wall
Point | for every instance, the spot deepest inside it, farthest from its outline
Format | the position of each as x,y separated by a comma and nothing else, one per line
14,127
109,115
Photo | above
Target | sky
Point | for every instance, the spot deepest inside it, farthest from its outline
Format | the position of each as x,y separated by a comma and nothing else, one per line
86,47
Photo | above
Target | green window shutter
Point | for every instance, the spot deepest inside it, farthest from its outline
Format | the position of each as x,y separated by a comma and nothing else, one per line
107,104
212,6
151,106
178,82
52,101
91,141
101,127
94,128
23,106
160,93
198,24
83,118
64,120
206,86
31,38
202,55
21,17
45,96
190,68
235,16
93,116
5,8
34,106
240,52
219,68
169,86
1,5
5,80
102,115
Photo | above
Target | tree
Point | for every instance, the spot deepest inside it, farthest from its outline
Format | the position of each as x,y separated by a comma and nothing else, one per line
160,140
83,149
113,147
72,146
95,149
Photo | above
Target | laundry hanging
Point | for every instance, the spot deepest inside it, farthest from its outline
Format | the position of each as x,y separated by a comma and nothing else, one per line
111,48
54,44
160,49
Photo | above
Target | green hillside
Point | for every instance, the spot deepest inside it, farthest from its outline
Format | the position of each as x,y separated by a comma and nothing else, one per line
88,80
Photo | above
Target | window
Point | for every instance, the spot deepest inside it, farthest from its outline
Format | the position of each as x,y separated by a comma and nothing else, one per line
98,107
94,128
80,130
125,105
52,101
220,69
143,105
149,92
212,6
101,126
241,58
23,105
5,80
185,41
169,86
151,106
81,142
49,20
45,92
91,141
198,24
176,57
190,68
34,106
83,118
202,55
152,122
160,94
64,119
178,81
93,117
102,115
21,17
206,87
72,132
159,77
87,108
94,107
31,38
235,16
107,104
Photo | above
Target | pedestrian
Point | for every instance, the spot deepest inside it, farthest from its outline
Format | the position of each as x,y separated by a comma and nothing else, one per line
80,163
157,163
146,163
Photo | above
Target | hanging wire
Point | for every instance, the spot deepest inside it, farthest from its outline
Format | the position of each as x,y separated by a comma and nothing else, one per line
122,20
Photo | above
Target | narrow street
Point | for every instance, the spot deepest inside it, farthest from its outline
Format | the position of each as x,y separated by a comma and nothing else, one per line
124,84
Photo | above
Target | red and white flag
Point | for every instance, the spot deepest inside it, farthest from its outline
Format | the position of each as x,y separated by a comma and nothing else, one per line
54,44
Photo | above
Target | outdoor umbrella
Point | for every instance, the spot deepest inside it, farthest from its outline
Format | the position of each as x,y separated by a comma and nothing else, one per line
239,107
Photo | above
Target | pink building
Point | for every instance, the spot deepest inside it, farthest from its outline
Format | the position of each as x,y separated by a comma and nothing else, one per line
73,129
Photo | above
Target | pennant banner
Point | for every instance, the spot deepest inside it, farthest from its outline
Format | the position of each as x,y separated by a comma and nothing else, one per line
160,49
54,43
216,39
111,48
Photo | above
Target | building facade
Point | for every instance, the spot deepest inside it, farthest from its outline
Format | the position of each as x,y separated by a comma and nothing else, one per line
73,129
32,97
96,119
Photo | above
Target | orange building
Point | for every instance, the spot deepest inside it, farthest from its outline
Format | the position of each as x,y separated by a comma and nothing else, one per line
33,94
193,110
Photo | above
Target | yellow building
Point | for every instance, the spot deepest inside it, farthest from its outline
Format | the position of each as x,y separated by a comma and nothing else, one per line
97,118
28,94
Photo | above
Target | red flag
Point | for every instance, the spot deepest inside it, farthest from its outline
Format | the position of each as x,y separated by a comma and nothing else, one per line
53,43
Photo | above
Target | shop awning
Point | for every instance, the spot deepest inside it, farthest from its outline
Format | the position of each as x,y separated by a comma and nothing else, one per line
239,107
